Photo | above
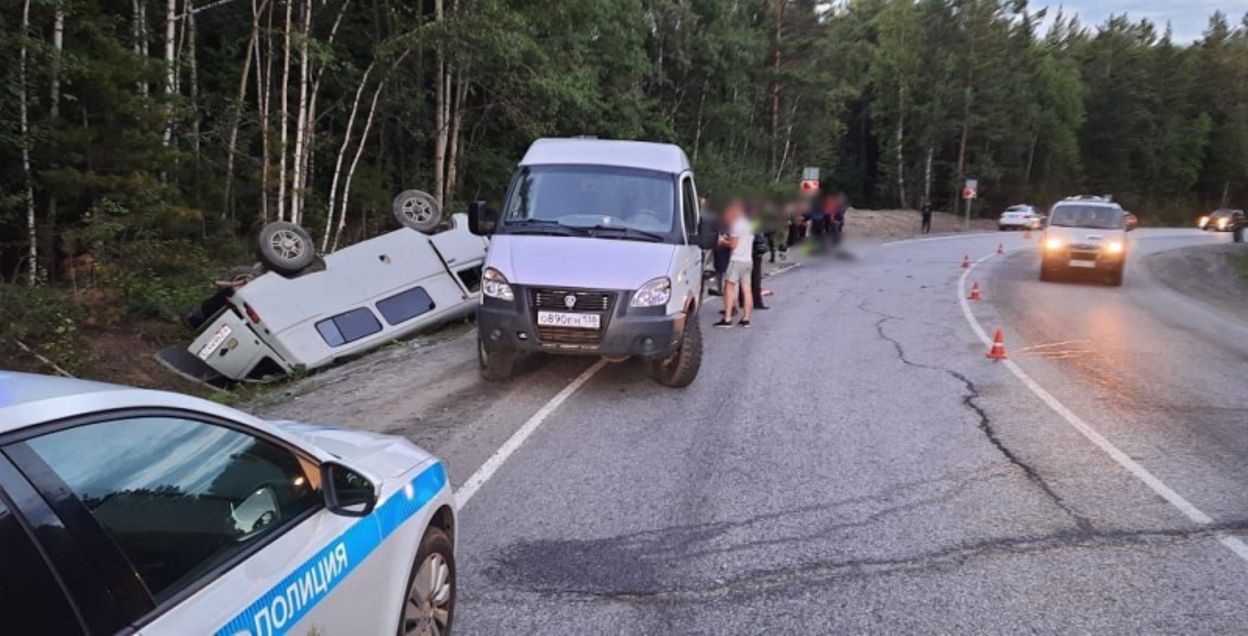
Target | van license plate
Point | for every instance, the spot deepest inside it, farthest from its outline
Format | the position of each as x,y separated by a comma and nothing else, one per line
1083,264
214,342
564,319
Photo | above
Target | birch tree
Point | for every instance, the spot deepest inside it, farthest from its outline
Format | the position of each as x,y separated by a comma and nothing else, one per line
32,233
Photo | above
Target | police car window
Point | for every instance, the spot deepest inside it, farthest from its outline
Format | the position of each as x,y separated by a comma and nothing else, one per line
31,601
179,497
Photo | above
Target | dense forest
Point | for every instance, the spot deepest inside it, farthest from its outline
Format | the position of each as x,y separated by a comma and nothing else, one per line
144,141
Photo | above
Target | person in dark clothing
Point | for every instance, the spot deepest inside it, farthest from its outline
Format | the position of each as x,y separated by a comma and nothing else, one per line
836,217
720,255
818,217
759,249
926,211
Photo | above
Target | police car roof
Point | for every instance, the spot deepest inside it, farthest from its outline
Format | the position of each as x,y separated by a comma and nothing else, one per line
27,399
643,155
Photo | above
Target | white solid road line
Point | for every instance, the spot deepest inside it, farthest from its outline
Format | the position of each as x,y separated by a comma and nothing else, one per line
1234,544
491,465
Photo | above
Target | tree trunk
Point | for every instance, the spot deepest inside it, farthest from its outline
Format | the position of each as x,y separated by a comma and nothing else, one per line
927,176
54,112
697,133
359,150
1031,160
901,155
966,128
439,117
284,116
139,26
342,153
301,121
228,205
457,119
32,231
192,61
171,75
774,130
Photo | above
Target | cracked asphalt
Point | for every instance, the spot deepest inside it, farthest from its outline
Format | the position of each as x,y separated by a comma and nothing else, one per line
854,463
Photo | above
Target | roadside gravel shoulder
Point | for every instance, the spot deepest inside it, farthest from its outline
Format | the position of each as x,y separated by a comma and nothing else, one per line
1204,273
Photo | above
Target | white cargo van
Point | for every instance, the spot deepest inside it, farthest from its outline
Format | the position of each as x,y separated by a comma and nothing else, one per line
595,251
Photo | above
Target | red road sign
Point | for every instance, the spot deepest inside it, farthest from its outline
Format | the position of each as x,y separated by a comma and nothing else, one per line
810,185
969,193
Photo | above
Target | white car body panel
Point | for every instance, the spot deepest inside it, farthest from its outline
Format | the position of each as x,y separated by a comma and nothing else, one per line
357,276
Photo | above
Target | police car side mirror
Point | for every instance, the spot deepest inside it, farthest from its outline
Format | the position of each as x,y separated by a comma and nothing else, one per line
480,220
346,491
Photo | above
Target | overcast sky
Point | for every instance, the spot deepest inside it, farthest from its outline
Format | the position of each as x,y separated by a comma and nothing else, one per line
1189,17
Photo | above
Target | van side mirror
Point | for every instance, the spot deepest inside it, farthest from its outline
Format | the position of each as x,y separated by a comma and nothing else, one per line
480,220
347,492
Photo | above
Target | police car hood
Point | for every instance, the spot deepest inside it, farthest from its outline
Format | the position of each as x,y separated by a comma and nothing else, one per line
575,261
383,455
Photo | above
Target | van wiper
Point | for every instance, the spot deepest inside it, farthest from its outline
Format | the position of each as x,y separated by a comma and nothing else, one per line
628,233
543,227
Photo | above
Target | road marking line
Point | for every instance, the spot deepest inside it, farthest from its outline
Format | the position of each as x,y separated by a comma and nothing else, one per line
491,465
1234,544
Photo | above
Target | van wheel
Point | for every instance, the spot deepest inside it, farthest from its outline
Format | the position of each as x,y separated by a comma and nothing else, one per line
1115,277
497,365
417,210
429,607
285,248
679,369
1046,274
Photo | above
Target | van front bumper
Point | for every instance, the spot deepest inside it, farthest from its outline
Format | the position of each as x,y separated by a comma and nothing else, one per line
623,331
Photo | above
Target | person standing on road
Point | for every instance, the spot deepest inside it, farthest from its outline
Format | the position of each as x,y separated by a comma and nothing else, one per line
926,211
761,246
720,254
740,243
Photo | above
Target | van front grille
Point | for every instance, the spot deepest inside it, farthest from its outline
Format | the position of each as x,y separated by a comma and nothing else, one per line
586,301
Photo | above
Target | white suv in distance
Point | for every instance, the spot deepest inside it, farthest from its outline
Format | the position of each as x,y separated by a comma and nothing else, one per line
1085,233
1020,217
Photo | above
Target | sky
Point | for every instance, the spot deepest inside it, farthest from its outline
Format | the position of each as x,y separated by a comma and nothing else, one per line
1189,17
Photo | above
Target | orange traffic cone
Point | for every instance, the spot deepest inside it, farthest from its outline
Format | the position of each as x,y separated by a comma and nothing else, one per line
966,262
1000,248
974,292
998,346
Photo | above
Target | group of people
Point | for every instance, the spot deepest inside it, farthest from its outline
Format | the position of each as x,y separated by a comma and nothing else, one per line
748,231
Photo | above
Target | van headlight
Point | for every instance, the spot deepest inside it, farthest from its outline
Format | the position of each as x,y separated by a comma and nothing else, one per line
1114,247
1053,243
1202,222
494,285
653,294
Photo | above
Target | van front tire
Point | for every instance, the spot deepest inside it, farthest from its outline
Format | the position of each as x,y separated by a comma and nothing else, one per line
496,365
679,369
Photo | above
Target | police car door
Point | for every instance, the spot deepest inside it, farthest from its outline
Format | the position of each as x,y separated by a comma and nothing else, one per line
223,527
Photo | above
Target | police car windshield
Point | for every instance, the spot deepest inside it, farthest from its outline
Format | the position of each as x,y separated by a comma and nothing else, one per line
592,198
1100,217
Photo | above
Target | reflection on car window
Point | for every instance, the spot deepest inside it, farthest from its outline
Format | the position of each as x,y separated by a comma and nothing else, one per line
1088,216
585,196
179,497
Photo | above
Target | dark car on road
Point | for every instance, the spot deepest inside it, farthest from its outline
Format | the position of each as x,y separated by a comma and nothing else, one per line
1224,220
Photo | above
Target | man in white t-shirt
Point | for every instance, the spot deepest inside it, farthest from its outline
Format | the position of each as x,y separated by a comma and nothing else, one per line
740,238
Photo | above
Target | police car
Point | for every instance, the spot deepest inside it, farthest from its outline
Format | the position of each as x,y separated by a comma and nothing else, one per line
143,512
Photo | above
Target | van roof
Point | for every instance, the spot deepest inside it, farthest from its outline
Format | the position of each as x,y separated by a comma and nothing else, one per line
644,155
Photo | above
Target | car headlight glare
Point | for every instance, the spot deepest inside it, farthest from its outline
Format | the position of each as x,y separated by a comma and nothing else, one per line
654,293
1204,220
1114,247
494,285
1222,223
1053,243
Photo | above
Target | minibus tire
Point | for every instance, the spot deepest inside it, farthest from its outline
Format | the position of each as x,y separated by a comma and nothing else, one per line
497,365
417,210
679,370
285,247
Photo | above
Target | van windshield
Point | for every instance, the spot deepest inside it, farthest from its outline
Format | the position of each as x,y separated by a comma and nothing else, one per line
1098,217
605,201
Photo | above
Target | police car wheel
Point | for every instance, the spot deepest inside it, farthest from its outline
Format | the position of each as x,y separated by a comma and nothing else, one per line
429,608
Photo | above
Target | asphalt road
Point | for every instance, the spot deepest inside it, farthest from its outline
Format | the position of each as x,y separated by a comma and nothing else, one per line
854,463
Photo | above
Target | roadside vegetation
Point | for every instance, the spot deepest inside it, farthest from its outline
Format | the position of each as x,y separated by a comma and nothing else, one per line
143,142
